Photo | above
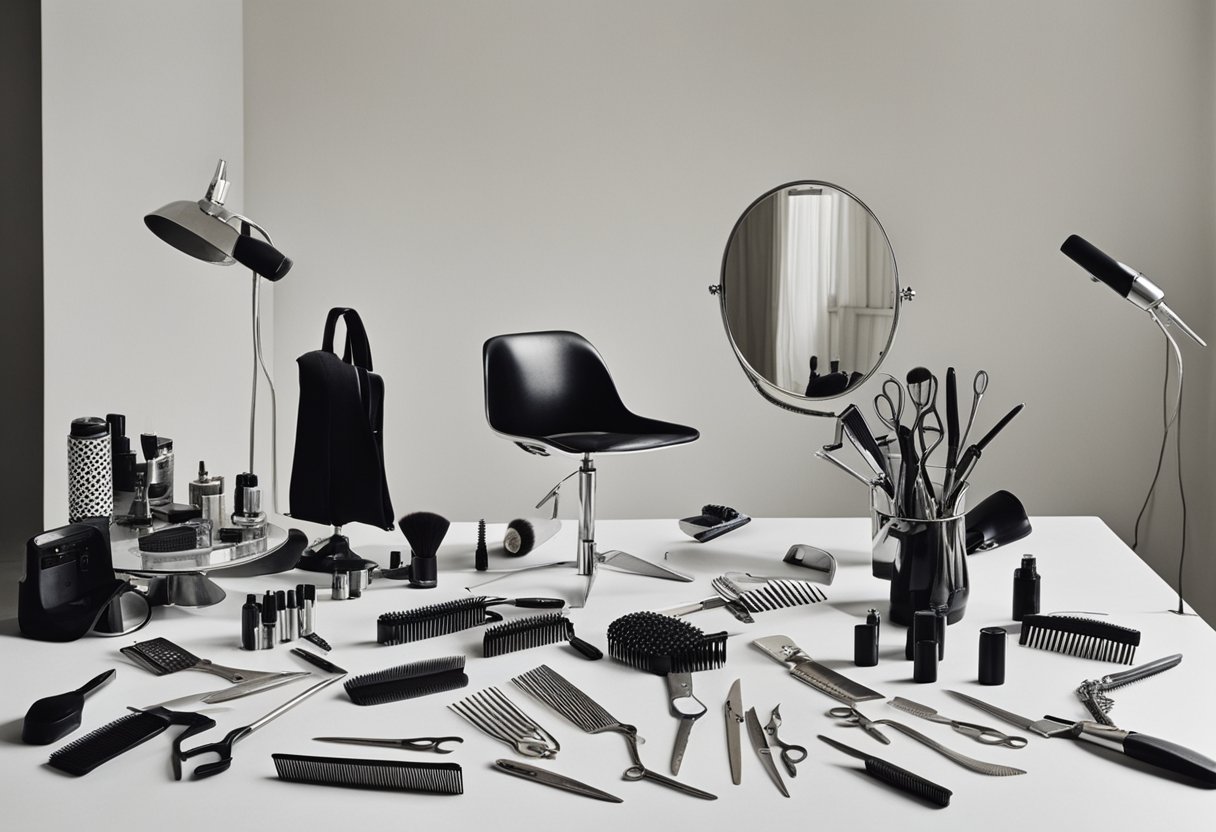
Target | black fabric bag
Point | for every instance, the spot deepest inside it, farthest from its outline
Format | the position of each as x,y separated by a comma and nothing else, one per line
337,474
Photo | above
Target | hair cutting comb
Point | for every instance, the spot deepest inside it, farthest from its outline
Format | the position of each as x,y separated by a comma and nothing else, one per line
535,631
893,775
497,716
81,756
661,644
162,657
758,594
1083,637
388,775
407,681
449,617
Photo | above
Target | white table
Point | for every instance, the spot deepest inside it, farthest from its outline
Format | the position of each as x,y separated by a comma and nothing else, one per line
1084,566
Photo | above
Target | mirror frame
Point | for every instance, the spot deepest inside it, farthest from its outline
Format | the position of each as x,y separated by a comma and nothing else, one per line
767,390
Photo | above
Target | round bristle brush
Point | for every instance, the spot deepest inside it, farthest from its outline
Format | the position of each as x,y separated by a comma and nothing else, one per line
527,533
661,644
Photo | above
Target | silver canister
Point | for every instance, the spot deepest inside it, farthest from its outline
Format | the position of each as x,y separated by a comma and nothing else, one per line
341,586
207,495
359,580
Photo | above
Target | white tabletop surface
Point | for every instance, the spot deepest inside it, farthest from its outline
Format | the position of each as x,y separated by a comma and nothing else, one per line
1085,567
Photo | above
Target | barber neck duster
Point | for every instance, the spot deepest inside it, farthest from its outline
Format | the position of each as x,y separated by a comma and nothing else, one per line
424,530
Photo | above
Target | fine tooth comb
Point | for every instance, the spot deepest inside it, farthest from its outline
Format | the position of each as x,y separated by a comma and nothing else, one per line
893,775
1083,637
535,631
494,714
661,644
385,775
81,756
162,657
763,594
449,617
407,681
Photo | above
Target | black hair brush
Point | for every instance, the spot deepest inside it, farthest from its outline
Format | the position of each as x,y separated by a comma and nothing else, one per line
1084,637
535,631
81,756
449,617
407,681
661,644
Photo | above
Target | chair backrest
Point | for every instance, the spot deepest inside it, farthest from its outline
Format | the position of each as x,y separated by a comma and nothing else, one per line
543,383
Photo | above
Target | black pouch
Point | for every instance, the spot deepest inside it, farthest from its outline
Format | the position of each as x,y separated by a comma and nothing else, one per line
70,587
337,473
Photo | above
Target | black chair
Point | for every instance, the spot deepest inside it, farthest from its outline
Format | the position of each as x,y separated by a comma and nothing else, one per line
551,391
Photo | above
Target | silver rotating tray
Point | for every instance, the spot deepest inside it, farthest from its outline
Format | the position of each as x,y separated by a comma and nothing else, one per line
181,578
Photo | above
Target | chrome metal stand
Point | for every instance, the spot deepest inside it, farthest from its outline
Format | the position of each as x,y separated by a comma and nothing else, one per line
588,557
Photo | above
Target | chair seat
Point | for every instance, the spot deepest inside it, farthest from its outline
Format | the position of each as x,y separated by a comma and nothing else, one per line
663,435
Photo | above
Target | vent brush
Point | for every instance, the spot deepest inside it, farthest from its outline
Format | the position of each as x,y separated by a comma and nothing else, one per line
893,775
385,775
450,617
407,681
661,644
81,756
1083,637
535,631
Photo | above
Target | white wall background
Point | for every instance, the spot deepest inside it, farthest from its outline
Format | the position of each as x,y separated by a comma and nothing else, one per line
140,98
459,169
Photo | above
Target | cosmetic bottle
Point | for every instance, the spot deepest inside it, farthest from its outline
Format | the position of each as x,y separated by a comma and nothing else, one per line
1025,589
250,624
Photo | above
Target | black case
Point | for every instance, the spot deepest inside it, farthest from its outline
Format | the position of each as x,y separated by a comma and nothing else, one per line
337,474
69,583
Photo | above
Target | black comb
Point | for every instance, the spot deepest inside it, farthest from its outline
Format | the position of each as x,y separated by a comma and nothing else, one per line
1083,637
390,775
449,617
661,644
407,681
900,778
535,631
81,756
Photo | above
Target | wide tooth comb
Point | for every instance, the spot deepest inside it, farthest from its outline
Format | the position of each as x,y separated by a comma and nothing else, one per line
82,755
780,594
661,644
407,681
1082,637
535,631
390,775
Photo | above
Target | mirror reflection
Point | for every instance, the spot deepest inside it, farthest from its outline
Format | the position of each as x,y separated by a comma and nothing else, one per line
810,290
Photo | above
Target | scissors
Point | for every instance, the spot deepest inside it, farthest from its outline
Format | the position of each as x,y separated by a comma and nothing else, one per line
890,406
223,748
856,719
791,755
978,386
407,744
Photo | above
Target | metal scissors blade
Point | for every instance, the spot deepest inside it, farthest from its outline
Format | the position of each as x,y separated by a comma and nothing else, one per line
734,716
760,744
557,781
791,755
406,743
856,719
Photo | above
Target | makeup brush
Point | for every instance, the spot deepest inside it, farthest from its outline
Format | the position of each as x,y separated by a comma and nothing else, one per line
527,533
424,530
481,557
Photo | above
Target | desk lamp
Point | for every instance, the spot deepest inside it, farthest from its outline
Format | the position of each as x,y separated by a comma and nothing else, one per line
210,232
1146,295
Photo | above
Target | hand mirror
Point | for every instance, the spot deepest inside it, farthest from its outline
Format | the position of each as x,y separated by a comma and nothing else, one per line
809,294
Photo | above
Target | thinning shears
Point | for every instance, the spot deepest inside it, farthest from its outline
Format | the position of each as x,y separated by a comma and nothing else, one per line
856,719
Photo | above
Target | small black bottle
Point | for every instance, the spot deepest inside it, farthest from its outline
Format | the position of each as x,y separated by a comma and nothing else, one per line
251,616
1025,589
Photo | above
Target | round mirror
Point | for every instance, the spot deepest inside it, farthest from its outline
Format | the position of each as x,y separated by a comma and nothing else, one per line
809,293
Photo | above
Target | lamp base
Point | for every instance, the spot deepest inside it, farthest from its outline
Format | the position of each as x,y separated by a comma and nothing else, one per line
332,554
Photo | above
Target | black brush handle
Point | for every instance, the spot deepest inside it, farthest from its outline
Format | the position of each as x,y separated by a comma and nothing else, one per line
1006,419
95,683
537,603
589,650
952,431
911,463
1165,754
908,782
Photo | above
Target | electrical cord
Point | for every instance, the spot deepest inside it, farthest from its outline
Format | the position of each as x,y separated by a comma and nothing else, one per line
1161,454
